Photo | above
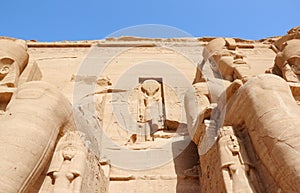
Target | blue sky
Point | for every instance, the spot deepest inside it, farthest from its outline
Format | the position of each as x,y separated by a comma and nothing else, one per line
56,20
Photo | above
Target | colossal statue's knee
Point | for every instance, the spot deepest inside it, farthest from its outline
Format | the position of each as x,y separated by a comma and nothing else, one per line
266,107
28,133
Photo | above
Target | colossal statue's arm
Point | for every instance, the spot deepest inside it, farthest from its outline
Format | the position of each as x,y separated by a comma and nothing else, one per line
28,134
266,107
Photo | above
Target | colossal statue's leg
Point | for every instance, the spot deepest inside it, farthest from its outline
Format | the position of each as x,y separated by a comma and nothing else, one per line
28,134
266,107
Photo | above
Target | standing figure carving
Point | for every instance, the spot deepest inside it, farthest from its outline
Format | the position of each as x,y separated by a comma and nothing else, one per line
237,170
68,164
150,112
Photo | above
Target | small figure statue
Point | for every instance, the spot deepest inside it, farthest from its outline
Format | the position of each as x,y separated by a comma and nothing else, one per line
236,167
150,111
68,164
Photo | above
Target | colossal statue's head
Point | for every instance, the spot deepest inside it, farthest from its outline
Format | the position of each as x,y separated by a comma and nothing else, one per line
13,59
294,30
290,55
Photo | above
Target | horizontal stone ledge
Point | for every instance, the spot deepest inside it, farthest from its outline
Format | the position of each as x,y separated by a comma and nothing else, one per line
151,177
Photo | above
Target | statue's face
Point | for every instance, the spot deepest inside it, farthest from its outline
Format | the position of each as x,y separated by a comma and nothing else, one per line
5,66
294,62
69,152
233,144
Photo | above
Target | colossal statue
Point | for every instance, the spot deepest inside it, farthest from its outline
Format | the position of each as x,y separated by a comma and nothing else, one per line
29,129
264,112
266,107
36,121
253,126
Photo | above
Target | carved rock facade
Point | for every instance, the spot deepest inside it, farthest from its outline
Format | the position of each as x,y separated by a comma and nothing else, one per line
241,109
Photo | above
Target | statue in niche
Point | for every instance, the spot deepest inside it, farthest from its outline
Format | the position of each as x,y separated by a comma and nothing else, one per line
68,164
150,112
237,171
